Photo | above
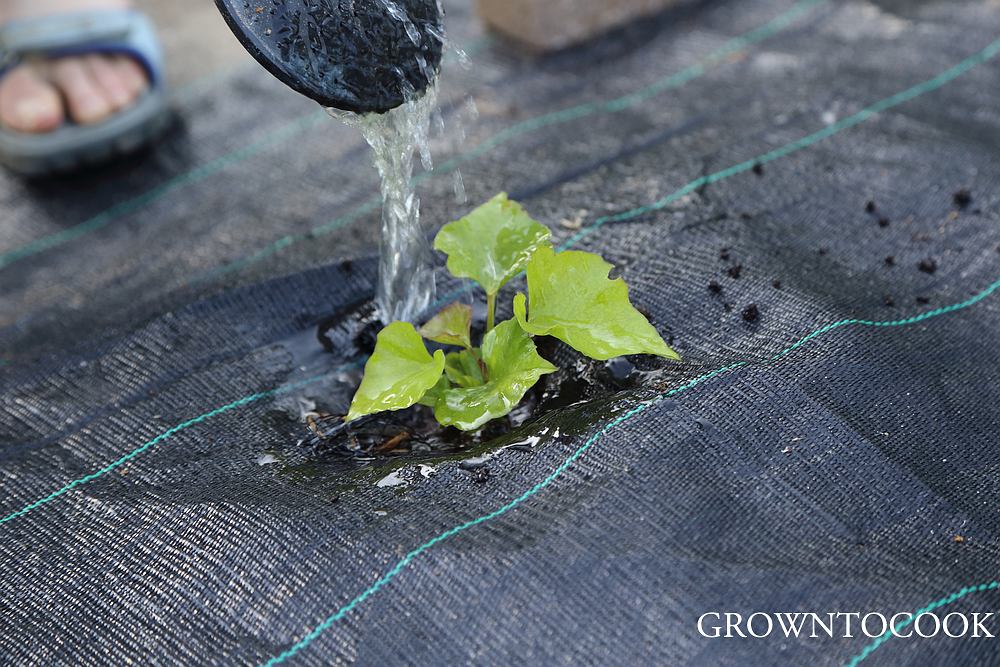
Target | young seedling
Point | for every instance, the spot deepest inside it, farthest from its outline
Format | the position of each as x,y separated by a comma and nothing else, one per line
570,297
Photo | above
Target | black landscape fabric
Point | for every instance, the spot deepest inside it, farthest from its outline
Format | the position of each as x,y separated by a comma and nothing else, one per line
809,214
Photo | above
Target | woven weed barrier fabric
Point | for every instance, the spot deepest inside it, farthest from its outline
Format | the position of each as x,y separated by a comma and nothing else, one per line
828,444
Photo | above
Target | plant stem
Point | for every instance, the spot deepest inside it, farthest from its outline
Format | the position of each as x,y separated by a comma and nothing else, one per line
491,311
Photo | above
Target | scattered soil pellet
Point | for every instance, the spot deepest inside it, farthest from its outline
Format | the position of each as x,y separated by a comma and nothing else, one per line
888,300
962,197
758,169
724,254
883,222
746,216
822,251
870,207
923,300
928,265
751,313
727,307
715,288
735,271
776,284
890,261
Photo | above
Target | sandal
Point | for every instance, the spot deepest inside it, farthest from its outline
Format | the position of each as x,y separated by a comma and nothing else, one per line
71,146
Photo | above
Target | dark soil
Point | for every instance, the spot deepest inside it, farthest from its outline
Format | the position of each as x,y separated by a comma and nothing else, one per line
357,320
888,300
481,475
928,265
714,287
751,313
724,254
962,197
758,169
923,300
776,284
870,207
890,261
883,222
735,271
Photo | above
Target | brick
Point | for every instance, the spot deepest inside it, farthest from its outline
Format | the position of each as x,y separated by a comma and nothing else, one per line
547,25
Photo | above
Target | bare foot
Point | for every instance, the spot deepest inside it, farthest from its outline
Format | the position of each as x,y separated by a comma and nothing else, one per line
37,96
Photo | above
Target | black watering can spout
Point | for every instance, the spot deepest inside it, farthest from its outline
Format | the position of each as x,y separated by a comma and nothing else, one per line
354,55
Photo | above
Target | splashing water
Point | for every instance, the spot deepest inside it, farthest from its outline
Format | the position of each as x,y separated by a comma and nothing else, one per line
406,280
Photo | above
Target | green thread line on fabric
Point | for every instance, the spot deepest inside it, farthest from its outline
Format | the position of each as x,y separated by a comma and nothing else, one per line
195,175
731,47
579,452
855,119
164,436
948,599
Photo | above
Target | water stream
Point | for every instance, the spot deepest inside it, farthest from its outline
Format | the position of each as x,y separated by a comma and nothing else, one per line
406,278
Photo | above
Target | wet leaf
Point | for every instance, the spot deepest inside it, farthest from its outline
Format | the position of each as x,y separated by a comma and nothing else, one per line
514,367
434,394
451,326
492,244
399,372
571,298
463,369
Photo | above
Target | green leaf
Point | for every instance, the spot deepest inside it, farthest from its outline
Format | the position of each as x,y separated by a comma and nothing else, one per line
492,244
463,369
399,372
435,393
514,367
450,326
572,299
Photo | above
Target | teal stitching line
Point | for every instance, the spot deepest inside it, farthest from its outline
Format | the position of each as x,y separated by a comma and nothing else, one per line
732,46
163,436
408,558
979,588
211,168
795,146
